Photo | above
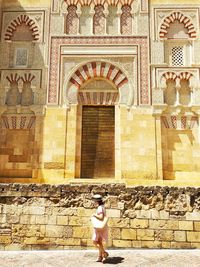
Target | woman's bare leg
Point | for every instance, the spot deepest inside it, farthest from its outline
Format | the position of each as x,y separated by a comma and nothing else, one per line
96,243
101,247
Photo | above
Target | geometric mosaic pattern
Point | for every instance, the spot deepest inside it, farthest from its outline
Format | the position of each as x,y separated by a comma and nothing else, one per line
72,20
177,56
126,20
188,24
20,20
18,121
99,21
180,123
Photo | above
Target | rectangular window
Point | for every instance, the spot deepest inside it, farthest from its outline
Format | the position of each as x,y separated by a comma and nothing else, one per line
21,57
177,56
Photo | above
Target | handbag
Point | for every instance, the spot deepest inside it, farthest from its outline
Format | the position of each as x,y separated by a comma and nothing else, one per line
99,224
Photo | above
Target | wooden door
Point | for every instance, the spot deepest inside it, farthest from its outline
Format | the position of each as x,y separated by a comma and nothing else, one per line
98,142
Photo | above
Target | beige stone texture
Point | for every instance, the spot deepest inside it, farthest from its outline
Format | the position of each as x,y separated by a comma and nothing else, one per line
145,234
164,224
186,225
180,236
128,234
139,223
196,226
193,236
82,232
122,243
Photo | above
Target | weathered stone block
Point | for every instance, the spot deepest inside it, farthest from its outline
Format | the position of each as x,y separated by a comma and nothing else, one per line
82,232
54,231
113,213
85,212
180,236
75,220
183,245
5,239
51,219
164,215
195,215
196,226
139,223
39,219
122,243
151,244
193,236
114,232
145,234
164,224
25,219
12,218
166,244
62,220
186,225
164,235
129,234
121,222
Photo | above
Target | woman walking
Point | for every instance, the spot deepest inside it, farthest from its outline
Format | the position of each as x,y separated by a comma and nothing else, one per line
100,235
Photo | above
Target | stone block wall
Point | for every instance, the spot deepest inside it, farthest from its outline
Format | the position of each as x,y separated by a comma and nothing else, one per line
58,217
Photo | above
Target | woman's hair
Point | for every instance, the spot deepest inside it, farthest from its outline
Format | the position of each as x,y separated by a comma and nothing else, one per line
100,202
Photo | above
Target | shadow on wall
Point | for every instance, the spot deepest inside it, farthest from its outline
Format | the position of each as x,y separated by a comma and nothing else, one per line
22,92
177,152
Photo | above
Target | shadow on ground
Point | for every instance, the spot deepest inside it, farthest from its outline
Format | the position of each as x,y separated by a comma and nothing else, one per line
114,260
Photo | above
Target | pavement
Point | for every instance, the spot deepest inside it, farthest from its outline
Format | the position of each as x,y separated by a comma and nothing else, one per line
86,258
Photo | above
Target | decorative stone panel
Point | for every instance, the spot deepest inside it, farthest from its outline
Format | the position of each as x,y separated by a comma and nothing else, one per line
180,122
57,42
13,20
18,22
31,79
164,17
18,121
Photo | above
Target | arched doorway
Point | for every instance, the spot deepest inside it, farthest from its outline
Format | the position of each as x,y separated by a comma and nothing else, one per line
97,89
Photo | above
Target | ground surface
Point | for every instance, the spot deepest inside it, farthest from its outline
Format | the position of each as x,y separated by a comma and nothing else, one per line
86,258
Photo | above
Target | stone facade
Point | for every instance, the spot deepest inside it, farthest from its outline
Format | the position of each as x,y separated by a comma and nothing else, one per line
58,217
141,57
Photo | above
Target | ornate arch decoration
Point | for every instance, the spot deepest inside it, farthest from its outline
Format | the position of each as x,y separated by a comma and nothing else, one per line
185,76
188,24
13,78
98,2
22,19
99,70
170,76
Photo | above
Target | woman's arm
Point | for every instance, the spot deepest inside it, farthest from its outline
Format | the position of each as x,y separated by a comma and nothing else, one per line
99,216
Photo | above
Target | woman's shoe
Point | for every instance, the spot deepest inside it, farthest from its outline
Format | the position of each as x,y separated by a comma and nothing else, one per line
99,259
105,256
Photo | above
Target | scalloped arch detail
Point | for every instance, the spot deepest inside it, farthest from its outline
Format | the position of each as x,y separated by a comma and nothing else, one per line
188,24
99,2
173,76
98,69
18,22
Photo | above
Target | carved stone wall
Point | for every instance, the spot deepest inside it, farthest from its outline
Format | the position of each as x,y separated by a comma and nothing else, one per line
58,217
